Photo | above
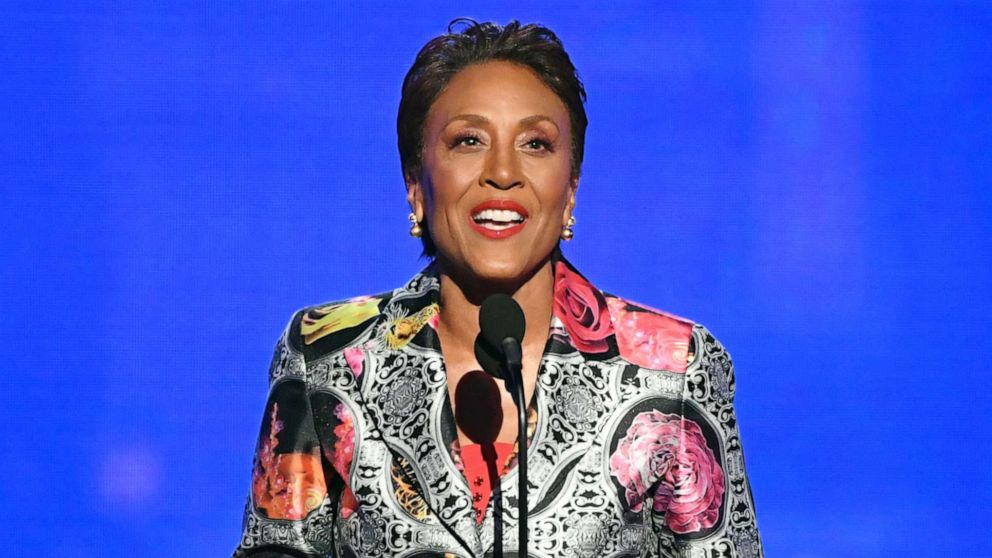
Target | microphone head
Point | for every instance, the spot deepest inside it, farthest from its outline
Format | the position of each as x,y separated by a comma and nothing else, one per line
478,407
500,317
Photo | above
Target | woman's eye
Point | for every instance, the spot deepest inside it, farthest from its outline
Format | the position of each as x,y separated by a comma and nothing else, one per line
470,141
539,144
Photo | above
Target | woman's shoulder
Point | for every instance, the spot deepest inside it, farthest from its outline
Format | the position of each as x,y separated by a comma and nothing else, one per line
620,306
647,336
332,325
658,339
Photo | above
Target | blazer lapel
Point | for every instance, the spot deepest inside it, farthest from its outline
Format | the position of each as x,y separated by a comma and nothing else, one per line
407,397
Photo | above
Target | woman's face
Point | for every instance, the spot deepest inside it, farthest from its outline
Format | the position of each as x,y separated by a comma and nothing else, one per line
496,183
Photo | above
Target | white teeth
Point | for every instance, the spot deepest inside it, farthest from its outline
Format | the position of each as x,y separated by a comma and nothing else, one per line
498,216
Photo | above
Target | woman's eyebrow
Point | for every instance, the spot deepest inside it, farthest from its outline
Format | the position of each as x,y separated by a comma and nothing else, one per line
473,118
538,118
479,119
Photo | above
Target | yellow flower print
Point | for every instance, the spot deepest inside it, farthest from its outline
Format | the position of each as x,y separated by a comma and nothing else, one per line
403,329
406,495
325,320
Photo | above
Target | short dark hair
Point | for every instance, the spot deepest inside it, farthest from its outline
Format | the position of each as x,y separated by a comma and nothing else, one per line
533,46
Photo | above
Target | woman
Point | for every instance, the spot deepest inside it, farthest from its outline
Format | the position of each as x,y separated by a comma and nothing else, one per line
632,440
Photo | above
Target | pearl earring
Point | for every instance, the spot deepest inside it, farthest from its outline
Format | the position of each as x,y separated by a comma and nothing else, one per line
566,232
415,230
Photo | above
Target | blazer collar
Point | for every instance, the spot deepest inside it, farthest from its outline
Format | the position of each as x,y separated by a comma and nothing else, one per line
579,309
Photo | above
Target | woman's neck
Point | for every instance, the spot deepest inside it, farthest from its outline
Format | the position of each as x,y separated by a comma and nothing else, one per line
459,307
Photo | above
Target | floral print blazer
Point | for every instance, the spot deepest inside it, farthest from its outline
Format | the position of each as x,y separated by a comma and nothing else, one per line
632,439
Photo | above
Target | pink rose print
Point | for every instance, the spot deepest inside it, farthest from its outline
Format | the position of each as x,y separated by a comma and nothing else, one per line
344,444
696,481
583,311
650,339
646,451
356,359
343,453
690,481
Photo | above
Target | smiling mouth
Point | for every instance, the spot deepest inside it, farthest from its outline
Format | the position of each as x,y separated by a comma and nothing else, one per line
498,218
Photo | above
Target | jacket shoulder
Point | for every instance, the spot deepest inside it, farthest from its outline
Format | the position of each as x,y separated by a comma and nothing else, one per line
616,302
648,337
327,327
709,359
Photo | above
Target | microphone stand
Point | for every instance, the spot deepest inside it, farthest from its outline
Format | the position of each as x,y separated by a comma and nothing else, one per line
513,359
489,457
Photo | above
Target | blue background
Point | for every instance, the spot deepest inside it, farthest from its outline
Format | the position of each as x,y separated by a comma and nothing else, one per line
810,180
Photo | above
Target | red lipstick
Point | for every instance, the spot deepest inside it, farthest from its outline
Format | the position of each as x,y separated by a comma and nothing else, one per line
502,231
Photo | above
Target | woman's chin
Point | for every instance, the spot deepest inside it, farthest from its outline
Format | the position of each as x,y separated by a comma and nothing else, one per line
499,271
495,271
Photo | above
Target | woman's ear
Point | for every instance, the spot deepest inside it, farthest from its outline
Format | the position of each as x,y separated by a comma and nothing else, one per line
415,196
573,186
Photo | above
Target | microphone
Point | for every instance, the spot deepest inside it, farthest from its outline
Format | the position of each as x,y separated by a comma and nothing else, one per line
501,329
497,348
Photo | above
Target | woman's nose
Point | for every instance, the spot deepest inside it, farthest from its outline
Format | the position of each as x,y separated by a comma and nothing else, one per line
502,170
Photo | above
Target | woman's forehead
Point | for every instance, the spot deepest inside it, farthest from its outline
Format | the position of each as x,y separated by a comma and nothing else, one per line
497,92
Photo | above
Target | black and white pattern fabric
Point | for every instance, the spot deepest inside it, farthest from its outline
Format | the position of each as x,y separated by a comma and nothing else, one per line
633,447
